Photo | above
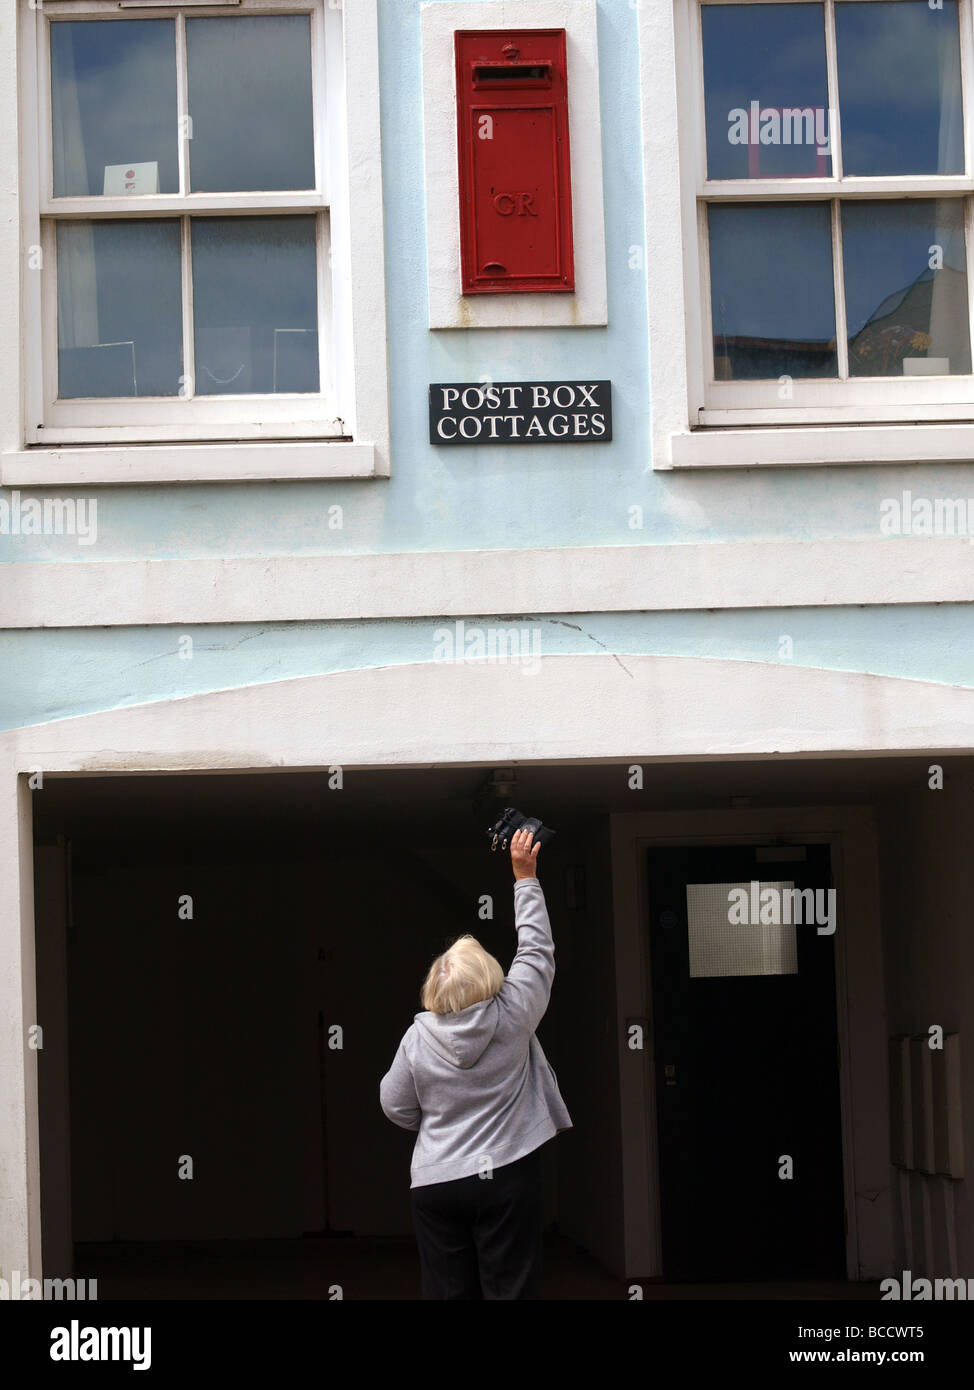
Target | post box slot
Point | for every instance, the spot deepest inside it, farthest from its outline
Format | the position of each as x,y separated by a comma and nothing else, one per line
540,73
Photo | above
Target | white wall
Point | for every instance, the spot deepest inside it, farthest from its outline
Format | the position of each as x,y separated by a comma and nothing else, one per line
928,884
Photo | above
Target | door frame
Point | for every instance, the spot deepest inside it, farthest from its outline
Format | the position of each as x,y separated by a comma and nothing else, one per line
850,832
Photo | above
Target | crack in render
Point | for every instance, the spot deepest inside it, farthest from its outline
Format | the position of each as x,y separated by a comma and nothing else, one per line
576,627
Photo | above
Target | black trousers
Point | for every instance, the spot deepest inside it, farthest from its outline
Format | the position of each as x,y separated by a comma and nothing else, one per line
482,1237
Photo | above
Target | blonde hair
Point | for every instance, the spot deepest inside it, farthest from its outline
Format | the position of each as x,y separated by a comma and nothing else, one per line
463,975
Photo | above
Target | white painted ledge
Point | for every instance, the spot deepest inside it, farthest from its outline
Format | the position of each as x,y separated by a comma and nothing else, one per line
188,463
761,447
87,592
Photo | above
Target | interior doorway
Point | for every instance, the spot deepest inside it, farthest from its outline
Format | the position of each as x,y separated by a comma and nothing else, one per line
743,986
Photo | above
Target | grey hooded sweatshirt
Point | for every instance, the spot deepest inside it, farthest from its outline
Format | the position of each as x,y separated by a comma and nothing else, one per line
476,1085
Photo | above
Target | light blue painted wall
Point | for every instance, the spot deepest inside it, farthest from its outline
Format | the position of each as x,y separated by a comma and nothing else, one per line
482,497
53,674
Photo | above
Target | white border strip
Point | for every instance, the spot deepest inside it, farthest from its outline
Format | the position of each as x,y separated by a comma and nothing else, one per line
186,463
448,308
356,225
672,313
603,579
832,444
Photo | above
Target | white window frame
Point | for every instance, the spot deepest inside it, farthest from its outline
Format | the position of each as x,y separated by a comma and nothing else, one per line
700,422
343,430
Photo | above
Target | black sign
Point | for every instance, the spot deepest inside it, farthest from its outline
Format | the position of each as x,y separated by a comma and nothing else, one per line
521,412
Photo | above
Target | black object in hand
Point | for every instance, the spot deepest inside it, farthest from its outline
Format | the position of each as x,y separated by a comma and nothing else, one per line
511,820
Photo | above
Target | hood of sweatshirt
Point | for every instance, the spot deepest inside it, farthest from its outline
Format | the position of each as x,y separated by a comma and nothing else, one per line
462,1037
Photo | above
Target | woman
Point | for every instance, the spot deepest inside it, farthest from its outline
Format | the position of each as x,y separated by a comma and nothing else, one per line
470,1077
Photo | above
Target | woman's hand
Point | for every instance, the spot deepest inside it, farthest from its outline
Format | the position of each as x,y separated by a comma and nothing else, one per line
524,859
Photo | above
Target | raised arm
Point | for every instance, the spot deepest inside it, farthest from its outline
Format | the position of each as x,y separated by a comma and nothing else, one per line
527,988
397,1092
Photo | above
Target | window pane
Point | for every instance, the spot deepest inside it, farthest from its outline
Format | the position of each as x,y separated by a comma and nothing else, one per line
906,288
255,305
250,103
113,107
119,313
899,87
771,290
766,91
721,945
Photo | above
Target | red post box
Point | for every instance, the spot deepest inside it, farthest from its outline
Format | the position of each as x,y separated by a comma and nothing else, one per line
513,160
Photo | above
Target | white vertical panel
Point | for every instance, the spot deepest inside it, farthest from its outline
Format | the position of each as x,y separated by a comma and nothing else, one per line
921,1068
900,1102
953,1106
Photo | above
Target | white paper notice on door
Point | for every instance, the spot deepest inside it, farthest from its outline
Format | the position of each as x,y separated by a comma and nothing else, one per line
132,178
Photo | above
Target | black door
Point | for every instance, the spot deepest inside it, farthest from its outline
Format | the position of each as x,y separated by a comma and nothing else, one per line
744,1022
